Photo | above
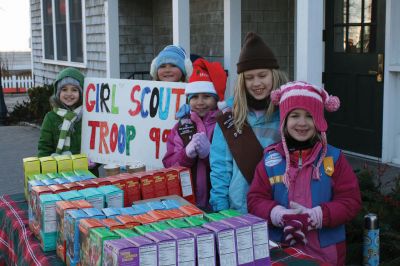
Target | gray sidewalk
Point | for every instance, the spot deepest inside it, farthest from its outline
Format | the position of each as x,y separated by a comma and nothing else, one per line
16,143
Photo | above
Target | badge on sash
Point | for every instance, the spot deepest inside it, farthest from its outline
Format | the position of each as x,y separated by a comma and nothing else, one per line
273,158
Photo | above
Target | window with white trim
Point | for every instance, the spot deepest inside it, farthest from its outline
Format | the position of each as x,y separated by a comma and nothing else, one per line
63,36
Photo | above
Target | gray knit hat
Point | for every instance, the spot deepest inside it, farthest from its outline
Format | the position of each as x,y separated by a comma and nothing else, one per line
67,81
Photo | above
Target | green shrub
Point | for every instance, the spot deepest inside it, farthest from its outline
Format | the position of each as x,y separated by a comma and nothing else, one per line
387,207
36,108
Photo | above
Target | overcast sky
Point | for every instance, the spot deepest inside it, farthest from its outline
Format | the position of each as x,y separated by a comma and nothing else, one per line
14,25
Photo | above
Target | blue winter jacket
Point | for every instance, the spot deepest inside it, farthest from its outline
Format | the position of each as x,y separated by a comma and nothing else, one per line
229,186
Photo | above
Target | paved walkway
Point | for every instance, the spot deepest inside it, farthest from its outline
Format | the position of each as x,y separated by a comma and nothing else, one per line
13,99
16,143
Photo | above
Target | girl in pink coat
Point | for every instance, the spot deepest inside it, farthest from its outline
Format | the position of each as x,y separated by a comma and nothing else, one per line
188,143
304,187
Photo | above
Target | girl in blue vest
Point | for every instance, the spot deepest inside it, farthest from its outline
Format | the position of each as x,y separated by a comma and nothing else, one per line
304,187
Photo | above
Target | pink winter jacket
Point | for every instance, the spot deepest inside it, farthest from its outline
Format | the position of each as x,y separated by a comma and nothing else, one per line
344,206
176,155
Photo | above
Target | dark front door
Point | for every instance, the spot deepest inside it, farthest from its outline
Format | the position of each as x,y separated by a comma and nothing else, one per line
354,46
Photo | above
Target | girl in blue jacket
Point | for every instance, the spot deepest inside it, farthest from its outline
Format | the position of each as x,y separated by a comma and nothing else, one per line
247,125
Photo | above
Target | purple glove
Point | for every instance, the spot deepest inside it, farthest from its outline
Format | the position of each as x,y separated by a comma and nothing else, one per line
295,229
278,212
191,149
315,214
203,144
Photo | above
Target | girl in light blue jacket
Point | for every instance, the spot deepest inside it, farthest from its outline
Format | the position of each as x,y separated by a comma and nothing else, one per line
247,125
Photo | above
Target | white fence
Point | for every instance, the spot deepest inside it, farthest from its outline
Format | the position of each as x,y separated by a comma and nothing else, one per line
17,82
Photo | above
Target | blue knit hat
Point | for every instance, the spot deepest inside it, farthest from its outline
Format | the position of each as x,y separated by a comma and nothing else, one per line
175,55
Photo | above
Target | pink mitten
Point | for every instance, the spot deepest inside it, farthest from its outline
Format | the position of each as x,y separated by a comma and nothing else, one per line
314,213
191,149
203,145
277,214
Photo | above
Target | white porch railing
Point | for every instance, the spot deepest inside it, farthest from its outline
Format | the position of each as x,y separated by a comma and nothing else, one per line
17,82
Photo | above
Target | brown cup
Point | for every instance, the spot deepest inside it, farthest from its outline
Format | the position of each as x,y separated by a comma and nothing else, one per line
111,169
135,167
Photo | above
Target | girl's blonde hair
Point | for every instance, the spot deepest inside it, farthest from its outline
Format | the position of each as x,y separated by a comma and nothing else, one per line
240,107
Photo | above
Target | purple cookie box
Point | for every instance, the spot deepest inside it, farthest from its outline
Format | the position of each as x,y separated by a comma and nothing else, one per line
204,244
243,239
185,246
167,251
147,250
225,236
260,238
120,252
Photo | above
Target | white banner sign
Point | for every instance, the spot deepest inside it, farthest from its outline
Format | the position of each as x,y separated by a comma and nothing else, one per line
129,120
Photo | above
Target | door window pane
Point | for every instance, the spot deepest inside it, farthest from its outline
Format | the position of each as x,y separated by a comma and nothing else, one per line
339,39
354,41
61,30
367,11
75,11
368,39
48,29
355,11
340,12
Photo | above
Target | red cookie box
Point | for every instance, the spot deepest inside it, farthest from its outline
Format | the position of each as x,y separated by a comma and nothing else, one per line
101,181
58,188
61,207
34,201
186,182
160,183
72,186
81,204
127,220
190,210
84,240
172,180
120,182
146,180
112,224
145,218
87,184
158,215
173,213
132,188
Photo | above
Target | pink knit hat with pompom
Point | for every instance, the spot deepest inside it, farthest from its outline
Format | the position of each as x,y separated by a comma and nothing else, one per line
313,99
302,95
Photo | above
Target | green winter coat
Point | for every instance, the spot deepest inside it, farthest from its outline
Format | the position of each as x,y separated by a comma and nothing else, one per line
50,133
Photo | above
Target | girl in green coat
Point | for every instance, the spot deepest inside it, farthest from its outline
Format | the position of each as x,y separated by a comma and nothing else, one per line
61,128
